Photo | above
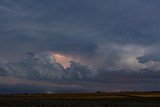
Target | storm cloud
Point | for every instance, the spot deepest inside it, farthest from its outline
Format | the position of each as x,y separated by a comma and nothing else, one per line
105,38
75,27
45,74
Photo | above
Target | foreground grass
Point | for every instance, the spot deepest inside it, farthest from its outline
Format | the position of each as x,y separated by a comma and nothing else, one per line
82,100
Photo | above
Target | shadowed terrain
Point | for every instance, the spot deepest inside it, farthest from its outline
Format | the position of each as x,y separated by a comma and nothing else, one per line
116,99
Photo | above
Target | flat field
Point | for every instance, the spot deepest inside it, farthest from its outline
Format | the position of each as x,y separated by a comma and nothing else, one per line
110,99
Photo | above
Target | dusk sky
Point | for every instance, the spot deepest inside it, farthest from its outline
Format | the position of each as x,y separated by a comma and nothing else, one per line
79,45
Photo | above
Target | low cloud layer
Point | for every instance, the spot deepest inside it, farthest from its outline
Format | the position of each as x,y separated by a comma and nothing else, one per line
35,69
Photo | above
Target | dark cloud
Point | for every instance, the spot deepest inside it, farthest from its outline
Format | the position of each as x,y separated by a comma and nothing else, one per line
40,66
43,67
42,72
118,36
75,26
20,89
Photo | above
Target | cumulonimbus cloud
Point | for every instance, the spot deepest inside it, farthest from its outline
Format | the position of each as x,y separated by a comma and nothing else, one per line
113,40
42,67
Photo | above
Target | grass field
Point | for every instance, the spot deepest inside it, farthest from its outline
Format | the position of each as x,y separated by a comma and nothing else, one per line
116,99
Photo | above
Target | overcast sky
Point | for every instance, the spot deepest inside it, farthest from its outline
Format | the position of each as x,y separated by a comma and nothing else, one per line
108,42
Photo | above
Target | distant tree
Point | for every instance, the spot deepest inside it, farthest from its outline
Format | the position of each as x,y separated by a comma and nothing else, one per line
98,92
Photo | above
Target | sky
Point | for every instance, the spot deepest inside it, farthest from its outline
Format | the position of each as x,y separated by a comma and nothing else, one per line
79,45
